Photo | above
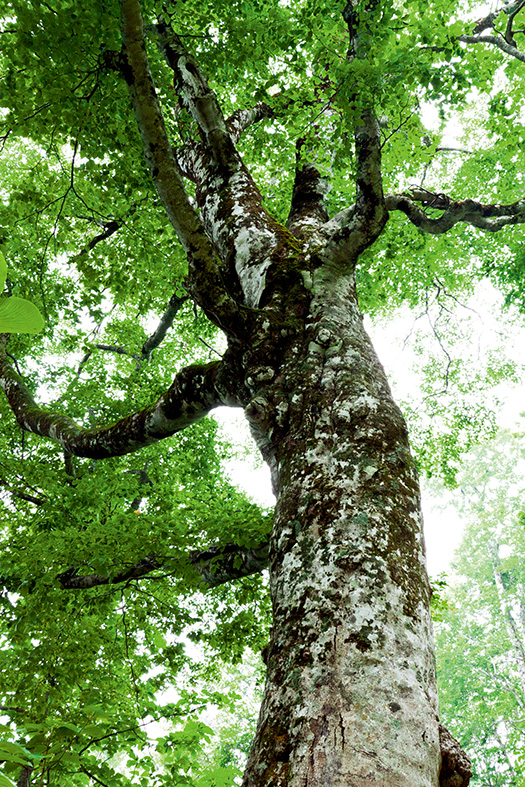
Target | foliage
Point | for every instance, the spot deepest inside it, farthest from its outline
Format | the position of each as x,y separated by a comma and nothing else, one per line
81,672
16,314
480,635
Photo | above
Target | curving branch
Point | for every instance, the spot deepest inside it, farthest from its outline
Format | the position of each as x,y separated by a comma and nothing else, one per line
216,565
490,218
191,396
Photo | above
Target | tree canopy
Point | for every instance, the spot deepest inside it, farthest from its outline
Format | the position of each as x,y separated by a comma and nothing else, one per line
119,536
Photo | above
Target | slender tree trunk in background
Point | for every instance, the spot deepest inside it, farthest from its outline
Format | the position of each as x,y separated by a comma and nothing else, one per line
350,696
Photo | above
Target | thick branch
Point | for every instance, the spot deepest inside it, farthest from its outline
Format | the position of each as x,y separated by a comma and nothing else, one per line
367,218
220,564
216,565
191,157
70,579
486,217
370,202
357,227
242,231
197,97
191,396
205,281
307,210
242,119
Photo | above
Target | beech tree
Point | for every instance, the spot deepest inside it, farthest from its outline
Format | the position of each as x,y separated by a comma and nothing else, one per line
244,171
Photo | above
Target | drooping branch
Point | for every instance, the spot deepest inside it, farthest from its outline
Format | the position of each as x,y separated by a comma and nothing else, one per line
216,565
191,396
205,282
486,217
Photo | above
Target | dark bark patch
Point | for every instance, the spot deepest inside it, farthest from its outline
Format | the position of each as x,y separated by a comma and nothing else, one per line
360,640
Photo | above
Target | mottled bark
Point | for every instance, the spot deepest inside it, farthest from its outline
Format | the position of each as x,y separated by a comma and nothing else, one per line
350,697
491,218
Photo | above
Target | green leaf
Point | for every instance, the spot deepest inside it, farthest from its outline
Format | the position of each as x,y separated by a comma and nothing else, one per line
19,316
3,271
5,782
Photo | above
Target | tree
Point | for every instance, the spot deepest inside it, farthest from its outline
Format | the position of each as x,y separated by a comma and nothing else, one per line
481,638
300,97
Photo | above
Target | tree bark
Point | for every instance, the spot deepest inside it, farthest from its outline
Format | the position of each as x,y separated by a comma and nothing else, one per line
350,697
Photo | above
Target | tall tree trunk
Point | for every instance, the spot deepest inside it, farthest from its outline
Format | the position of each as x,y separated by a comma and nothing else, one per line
350,697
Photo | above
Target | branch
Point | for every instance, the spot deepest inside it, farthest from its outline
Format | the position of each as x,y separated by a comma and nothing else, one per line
242,119
70,580
37,501
486,217
355,228
370,202
504,42
190,397
197,97
242,231
165,323
220,564
216,565
497,41
205,281
307,210
191,157
369,215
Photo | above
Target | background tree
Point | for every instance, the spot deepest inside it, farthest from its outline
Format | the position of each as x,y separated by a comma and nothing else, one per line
133,207
481,637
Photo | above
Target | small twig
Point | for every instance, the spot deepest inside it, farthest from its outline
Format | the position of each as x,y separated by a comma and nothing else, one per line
209,346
